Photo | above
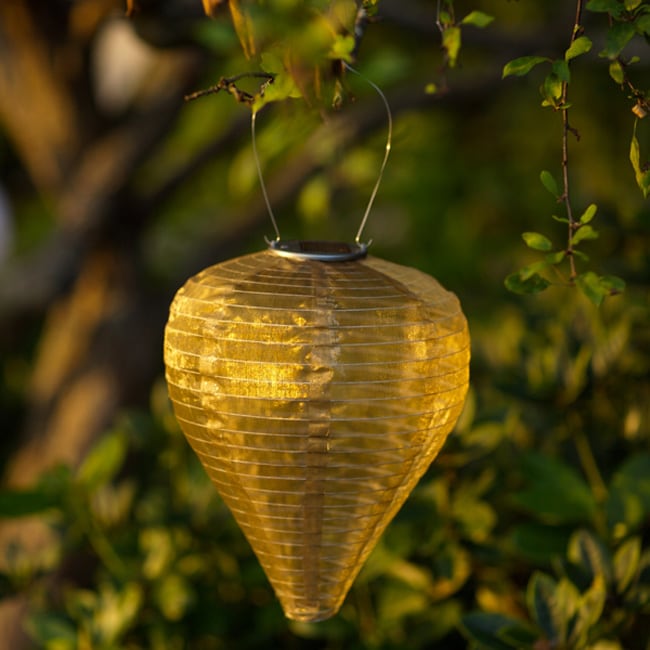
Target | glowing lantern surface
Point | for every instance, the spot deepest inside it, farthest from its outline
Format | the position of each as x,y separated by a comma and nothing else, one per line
316,393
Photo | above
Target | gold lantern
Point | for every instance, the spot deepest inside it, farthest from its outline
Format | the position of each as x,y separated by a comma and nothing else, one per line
316,384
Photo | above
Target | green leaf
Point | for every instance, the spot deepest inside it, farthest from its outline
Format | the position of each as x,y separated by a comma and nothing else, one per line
586,551
589,213
618,36
626,563
555,258
581,45
342,48
526,285
560,219
613,7
583,233
642,175
49,629
642,25
628,501
554,492
174,595
616,72
540,597
451,40
589,283
537,241
529,271
561,70
19,503
523,65
587,610
478,19
519,635
549,183
104,460
552,90
614,284
540,543
485,629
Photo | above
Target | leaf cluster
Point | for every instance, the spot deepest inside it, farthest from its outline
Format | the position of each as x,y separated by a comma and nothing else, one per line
530,279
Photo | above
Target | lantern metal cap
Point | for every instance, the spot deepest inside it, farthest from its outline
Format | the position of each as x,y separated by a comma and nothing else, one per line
322,251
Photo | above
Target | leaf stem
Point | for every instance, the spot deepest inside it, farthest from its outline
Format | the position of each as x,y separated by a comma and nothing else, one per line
566,129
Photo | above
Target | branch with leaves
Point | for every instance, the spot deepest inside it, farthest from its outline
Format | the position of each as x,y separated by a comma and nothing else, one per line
626,20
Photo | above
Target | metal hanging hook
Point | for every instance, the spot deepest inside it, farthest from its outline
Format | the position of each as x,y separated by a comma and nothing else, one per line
326,251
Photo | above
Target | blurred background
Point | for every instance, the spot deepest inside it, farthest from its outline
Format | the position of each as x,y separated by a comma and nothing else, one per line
532,528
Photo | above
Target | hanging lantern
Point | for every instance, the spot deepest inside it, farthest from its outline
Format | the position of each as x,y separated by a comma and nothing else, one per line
316,389
316,385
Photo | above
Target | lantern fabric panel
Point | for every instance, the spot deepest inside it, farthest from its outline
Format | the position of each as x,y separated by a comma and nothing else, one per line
316,394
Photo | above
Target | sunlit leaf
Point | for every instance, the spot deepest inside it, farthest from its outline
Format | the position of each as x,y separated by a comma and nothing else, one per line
342,48
589,213
626,563
103,461
581,45
555,258
210,7
243,27
523,65
583,233
587,552
174,595
642,175
477,18
451,40
616,72
537,241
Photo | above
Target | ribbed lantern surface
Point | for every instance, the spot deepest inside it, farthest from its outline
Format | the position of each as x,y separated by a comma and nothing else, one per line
315,394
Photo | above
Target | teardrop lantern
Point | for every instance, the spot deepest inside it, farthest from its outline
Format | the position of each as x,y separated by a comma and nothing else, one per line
316,384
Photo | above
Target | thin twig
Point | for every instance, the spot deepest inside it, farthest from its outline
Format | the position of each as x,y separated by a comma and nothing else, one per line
229,84
566,129
361,21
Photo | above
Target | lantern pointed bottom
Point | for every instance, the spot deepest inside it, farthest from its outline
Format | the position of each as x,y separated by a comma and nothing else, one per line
316,394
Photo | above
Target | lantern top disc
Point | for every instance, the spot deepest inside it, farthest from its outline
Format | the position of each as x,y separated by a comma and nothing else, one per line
323,251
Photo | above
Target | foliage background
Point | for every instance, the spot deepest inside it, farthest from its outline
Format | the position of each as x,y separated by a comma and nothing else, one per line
530,530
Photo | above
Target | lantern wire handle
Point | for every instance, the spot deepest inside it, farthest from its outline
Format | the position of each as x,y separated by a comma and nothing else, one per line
261,177
389,139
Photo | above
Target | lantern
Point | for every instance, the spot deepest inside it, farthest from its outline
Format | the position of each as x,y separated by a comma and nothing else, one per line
316,384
